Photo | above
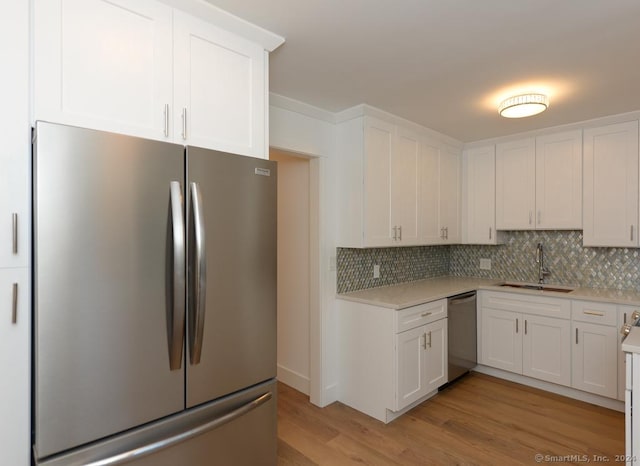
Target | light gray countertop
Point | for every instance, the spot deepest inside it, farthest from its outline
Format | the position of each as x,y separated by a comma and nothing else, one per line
423,291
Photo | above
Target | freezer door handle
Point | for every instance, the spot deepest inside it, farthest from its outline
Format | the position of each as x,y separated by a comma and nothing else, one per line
197,275
183,436
176,278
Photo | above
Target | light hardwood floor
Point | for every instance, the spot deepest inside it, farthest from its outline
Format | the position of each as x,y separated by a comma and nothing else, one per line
479,420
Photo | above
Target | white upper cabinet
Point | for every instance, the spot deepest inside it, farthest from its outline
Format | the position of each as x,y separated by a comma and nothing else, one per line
379,138
611,185
395,188
404,186
559,181
429,172
450,177
439,201
220,88
479,196
140,67
539,183
515,185
104,64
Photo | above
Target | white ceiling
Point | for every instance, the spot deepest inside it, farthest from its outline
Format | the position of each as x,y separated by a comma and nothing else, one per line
446,63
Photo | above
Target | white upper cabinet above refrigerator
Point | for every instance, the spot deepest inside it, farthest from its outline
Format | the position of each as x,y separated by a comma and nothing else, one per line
104,64
220,88
143,68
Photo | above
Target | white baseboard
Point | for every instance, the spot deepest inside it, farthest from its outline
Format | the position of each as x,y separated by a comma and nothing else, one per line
553,388
330,395
293,379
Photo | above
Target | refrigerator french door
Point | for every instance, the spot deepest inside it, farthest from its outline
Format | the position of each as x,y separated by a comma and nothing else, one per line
154,302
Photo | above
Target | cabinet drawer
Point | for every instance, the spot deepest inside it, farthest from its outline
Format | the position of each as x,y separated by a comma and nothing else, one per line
594,312
527,303
415,316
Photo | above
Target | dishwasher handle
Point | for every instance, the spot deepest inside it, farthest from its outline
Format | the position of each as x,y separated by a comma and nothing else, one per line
461,299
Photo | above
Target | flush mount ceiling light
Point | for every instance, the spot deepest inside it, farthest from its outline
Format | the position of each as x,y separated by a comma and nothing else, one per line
523,105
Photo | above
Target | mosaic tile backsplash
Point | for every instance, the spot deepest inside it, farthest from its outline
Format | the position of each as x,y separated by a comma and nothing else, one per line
566,259
397,265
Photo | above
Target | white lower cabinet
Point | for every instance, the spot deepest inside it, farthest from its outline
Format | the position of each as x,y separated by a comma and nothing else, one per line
421,361
595,359
568,342
624,316
595,347
15,360
391,359
526,344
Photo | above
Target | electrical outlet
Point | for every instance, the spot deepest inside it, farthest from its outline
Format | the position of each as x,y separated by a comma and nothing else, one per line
376,271
485,264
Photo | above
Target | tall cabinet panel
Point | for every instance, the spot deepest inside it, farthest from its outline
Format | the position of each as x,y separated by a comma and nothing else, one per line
104,64
15,213
611,185
220,84
515,185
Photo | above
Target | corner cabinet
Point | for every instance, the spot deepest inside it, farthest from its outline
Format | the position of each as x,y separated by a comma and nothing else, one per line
396,186
611,185
15,214
141,68
391,359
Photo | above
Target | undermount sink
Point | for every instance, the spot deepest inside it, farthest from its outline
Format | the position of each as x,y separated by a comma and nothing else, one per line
528,286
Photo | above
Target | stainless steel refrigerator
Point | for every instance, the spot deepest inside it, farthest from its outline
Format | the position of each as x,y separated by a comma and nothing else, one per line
154,302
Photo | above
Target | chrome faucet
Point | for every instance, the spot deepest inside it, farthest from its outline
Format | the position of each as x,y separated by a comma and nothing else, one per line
542,271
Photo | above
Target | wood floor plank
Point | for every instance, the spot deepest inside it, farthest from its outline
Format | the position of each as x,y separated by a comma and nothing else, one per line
480,420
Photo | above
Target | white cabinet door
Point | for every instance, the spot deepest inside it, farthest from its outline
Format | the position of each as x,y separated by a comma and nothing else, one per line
404,187
559,181
220,88
410,361
515,185
610,214
450,170
15,156
479,184
501,340
436,356
546,349
15,397
429,168
378,154
104,64
595,359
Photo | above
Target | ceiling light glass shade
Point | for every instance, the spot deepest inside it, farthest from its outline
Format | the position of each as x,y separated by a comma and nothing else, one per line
523,105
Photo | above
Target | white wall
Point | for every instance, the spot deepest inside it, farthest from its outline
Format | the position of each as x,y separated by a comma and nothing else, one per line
306,130
293,270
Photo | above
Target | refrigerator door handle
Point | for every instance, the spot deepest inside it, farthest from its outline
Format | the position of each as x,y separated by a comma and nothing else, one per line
176,279
183,436
197,275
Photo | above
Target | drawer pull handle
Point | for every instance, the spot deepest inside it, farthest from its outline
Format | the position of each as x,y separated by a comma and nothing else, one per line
592,313
425,314
14,304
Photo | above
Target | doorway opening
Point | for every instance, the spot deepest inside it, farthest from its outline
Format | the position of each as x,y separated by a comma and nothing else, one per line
298,257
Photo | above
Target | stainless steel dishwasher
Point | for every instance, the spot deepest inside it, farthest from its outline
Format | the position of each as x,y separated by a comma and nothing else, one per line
463,352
